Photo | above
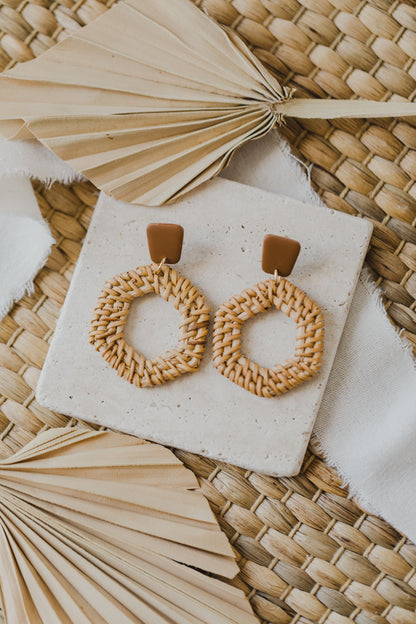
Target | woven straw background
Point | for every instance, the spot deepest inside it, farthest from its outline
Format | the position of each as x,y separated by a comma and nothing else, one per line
309,553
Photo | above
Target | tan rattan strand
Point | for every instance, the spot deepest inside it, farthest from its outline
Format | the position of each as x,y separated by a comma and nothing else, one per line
308,552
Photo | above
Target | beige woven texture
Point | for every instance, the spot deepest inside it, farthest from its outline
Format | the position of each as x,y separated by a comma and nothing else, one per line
110,316
226,340
309,554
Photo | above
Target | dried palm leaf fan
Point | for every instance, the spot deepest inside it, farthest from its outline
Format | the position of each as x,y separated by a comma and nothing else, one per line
94,529
153,98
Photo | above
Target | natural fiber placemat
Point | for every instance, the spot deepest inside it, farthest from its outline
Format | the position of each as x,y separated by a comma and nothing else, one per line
309,553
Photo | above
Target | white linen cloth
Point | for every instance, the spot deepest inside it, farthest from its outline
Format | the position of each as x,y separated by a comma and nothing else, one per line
366,425
25,241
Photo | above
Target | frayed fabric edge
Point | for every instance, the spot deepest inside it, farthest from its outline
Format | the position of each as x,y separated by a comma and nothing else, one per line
64,178
29,158
28,287
371,287
367,280
346,480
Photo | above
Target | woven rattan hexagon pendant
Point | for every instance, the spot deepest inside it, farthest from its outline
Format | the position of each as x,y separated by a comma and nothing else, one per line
279,292
113,305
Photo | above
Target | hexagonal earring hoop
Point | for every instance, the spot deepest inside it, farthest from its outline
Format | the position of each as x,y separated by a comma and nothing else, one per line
113,305
279,257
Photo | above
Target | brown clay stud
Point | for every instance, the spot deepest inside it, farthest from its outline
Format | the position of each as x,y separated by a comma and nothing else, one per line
165,241
279,253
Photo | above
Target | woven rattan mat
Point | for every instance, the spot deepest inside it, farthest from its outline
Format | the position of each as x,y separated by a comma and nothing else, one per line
309,553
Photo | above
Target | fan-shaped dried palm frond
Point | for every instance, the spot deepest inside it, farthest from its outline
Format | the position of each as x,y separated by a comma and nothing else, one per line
95,528
153,98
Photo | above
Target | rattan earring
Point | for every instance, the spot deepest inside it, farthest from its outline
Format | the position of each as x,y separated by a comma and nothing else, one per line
110,315
279,257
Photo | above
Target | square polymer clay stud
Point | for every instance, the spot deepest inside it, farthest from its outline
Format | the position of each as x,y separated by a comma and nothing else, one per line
165,242
279,254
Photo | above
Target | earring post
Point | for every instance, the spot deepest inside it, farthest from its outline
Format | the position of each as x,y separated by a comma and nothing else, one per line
160,266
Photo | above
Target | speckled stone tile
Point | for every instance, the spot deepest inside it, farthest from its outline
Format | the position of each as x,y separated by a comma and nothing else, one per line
203,412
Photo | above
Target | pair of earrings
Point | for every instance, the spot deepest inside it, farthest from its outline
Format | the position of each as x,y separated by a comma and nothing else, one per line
165,246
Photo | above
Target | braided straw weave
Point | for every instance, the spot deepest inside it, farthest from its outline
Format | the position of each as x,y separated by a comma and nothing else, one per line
110,316
309,346
308,553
